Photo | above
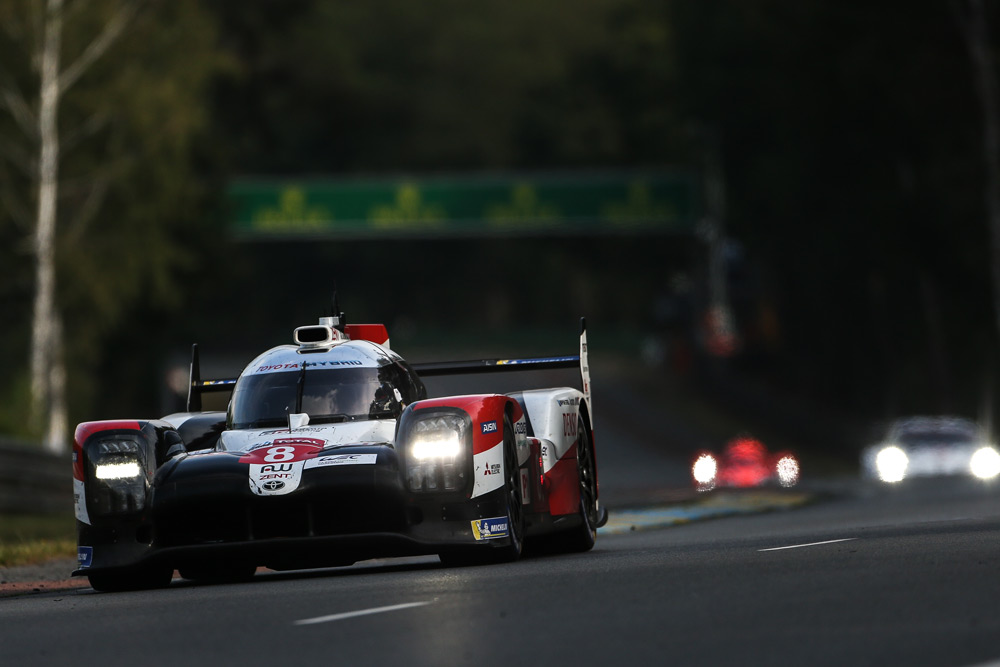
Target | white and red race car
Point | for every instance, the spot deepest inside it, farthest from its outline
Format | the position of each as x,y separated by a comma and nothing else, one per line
330,453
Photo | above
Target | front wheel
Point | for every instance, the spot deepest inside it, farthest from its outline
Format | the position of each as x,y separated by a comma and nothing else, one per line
512,489
514,546
582,537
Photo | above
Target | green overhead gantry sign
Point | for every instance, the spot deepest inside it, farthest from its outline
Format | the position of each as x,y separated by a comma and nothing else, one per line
564,203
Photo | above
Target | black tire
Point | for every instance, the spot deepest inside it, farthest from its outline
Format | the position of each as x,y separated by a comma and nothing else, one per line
512,486
130,580
582,537
514,546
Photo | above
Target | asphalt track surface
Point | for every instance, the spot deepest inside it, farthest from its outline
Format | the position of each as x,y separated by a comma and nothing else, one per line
861,575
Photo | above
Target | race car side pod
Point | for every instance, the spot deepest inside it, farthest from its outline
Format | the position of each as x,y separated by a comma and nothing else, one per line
531,364
197,387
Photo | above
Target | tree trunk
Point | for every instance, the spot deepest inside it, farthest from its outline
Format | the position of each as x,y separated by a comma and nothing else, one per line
47,369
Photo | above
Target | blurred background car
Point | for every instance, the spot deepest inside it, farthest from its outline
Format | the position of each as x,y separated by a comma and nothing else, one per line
931,446
744,462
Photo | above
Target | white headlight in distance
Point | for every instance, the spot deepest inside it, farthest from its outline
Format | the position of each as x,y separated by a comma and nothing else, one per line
985,463
704,469
121,470
788,471
891,464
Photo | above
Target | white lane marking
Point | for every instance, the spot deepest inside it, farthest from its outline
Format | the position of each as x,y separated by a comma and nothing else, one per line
811,544
360,612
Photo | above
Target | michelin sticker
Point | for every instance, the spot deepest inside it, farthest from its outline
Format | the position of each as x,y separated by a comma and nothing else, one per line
489,529
85,556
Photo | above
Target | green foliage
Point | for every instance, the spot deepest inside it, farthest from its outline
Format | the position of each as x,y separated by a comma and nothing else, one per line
852,146
445,85
131,200
14,405
28,539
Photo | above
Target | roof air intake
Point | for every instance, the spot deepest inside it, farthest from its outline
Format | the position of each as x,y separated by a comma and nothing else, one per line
314,335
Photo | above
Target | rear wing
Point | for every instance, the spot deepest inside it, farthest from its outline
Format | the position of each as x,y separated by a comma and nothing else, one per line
504,365
197,386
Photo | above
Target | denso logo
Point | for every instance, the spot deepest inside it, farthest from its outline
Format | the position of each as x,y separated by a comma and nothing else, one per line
490,427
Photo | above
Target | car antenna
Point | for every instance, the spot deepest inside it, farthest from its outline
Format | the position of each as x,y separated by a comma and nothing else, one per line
300,386
194,382
339,319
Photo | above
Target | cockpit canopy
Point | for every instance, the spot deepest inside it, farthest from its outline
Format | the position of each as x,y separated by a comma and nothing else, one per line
327,390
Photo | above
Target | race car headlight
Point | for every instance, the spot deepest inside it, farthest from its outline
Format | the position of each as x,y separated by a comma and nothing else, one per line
438,438
117,468
985,463
788,471
891,464
704,470
434,448
120,470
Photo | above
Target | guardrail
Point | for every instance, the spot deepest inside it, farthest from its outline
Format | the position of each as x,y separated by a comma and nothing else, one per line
33,480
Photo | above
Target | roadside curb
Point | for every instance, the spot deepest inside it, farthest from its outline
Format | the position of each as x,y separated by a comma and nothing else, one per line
14,589
714,505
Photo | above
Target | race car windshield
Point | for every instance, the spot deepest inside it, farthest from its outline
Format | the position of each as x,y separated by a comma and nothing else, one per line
328,395
936,438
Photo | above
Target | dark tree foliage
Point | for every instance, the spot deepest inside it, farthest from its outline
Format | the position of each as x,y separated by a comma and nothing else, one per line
444,85
849,136
131,199
851,139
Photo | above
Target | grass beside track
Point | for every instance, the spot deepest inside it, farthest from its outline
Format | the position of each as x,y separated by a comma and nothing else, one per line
27,539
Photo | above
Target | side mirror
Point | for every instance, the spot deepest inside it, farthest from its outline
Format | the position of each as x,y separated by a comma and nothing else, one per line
171,446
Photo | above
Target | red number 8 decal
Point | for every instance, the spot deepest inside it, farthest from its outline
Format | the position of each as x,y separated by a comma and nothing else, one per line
279,454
